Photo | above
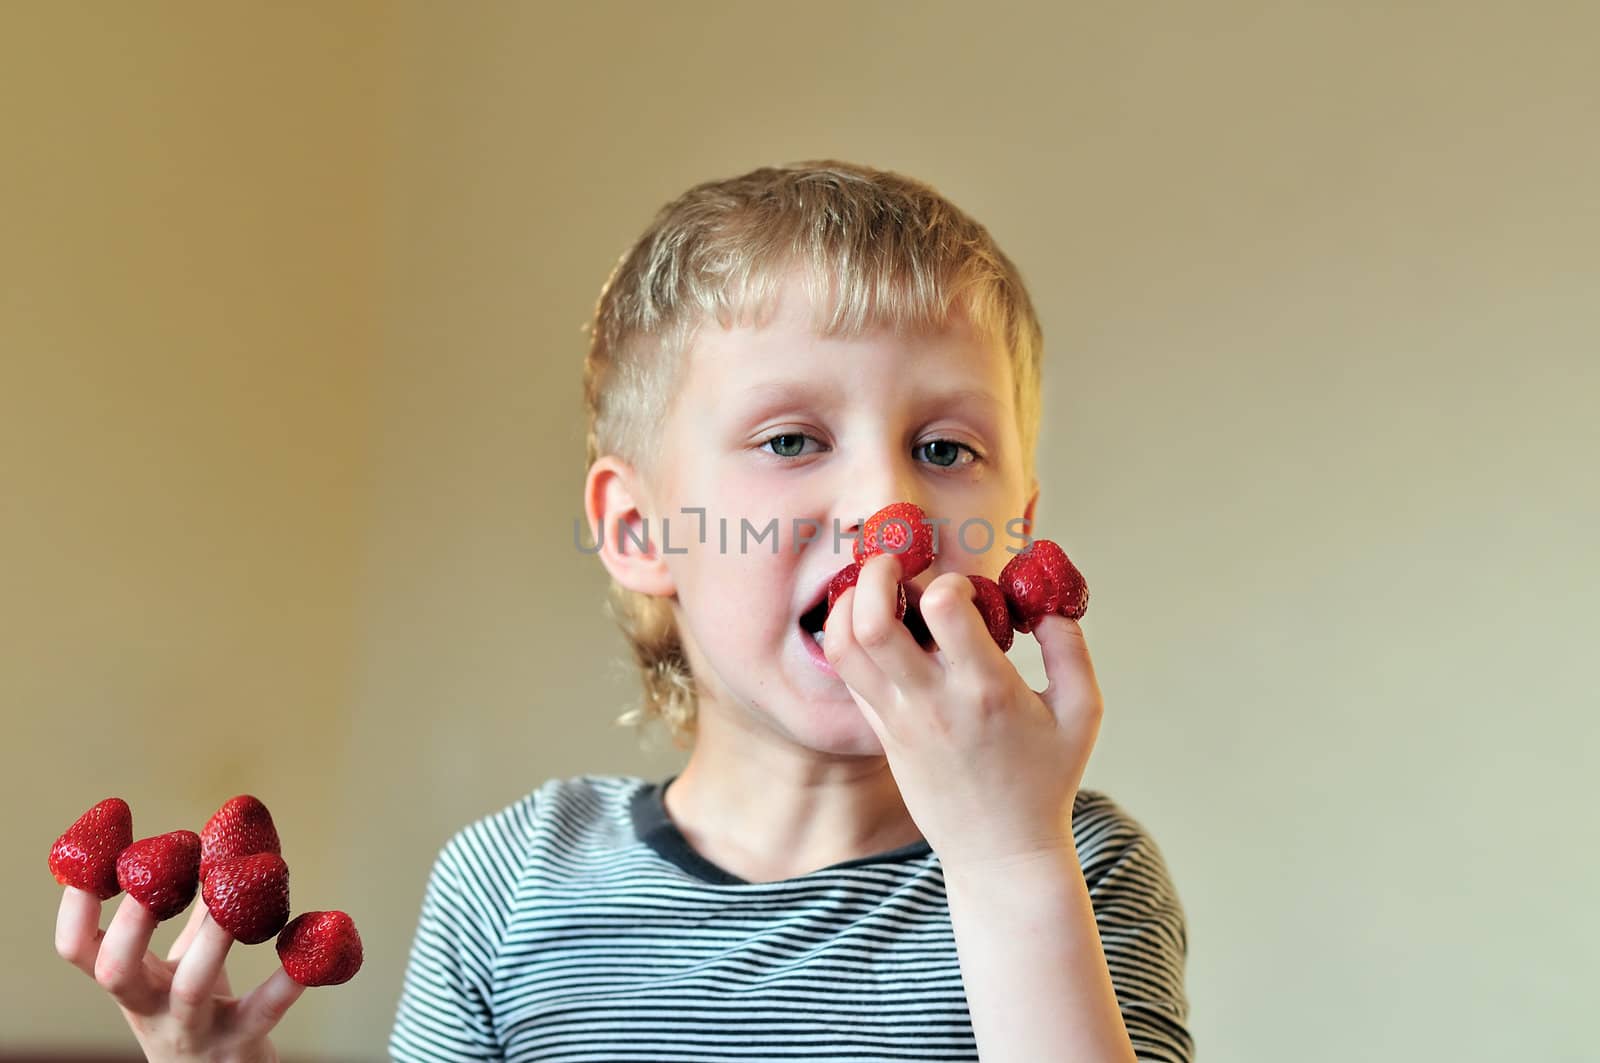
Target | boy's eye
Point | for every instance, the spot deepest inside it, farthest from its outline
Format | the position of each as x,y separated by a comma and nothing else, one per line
945,453
787,445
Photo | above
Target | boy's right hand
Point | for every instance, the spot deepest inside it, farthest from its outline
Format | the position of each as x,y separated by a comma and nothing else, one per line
179,1008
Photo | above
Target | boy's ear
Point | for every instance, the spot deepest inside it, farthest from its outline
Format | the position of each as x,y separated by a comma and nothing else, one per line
630,546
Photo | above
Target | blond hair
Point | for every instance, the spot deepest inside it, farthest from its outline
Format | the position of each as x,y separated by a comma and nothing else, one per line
878,250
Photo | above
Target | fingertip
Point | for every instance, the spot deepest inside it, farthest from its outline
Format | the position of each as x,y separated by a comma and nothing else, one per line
75,901
133,915
77,926
1054,624
286,989
213,934
892,567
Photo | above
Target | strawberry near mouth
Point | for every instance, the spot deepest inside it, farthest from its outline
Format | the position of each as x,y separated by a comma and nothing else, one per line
814,619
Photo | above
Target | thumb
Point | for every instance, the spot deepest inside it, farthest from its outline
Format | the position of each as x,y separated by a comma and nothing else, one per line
1072,689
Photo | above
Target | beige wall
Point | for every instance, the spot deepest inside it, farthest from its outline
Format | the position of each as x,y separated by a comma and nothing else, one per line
188,289
290,430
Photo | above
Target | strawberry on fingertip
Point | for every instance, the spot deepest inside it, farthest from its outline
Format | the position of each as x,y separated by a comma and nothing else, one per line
847,577
320,948
991,603
900,528
248,896
162,872
1041,581
85,855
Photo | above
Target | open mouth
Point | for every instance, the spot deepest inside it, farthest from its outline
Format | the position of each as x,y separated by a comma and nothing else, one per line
812,621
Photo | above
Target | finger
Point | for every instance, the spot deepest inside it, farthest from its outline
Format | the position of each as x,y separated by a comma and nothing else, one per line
956,625
194,983
78,932
848,659
186,936
264,1006
1072,689
120,966
878,631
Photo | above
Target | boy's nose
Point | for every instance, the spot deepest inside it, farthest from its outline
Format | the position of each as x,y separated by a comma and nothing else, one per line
875,493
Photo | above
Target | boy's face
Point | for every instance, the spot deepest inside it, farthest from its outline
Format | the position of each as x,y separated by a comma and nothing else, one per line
778,425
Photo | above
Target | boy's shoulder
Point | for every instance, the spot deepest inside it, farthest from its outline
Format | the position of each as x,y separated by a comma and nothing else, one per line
574,806
1108,836
1097,810
1098,807
482,874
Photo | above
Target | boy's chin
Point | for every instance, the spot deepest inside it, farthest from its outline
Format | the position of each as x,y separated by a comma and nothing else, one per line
835,727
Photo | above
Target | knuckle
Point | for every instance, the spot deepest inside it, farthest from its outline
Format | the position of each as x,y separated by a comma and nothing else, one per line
187,992
114,976
991,698
940,602
276,1010
946,595
875,632
840,646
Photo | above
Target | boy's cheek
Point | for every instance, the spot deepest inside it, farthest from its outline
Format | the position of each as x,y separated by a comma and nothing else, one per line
735,588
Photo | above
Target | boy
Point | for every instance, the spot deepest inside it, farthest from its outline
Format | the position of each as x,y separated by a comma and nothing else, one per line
874,851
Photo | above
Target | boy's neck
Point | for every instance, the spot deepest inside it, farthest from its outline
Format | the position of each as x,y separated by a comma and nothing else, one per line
764,824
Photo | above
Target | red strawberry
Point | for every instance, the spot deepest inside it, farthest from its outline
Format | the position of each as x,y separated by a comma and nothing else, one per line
898,529
162,872
842,581
85,856
1041,581
991,603
320,948
241,827
248,896
846,578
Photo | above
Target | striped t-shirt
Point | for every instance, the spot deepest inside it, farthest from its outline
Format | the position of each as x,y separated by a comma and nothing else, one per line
578,924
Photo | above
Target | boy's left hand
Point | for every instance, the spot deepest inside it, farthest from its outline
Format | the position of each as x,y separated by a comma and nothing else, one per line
987,766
